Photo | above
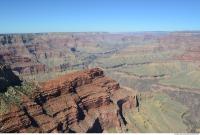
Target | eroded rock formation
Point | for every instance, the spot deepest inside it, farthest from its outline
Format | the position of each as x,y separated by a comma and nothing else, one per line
84,101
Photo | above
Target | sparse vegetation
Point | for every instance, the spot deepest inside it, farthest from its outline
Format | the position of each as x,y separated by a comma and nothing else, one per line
160,68
13,95
157,113
184,80
134,58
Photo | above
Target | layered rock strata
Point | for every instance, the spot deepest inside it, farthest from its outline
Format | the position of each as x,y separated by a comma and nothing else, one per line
83,101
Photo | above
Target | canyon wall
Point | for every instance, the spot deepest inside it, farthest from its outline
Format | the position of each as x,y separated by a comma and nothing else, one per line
84,101
30,54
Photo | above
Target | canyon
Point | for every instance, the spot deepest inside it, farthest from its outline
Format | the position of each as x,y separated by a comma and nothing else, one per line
100,82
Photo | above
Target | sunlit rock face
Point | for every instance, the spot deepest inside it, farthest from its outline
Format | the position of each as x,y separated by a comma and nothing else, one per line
84,101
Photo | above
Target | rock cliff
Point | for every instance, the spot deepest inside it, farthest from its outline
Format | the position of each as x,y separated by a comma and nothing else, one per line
84,101
7,77
46,52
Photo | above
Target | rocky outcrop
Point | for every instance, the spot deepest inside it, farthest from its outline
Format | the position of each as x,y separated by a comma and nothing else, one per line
83,101
15,121
7,77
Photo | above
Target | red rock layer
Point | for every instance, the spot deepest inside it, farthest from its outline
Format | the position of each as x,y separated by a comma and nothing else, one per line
77,102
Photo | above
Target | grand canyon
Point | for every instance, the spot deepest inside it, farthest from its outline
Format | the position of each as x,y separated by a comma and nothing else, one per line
94,82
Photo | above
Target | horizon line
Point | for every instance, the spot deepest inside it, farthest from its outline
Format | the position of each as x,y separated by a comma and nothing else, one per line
142,31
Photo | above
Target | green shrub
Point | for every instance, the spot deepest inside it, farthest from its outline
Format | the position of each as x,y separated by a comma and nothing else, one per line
12,96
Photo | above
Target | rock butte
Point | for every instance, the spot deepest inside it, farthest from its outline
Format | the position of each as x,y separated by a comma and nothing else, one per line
84,101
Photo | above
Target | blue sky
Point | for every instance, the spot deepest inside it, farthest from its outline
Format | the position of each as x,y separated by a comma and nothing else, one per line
24,16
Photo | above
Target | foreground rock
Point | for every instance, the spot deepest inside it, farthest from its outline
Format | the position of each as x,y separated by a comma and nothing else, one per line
7,77
84,101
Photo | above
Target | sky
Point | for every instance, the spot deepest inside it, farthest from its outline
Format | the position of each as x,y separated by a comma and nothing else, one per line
33,16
